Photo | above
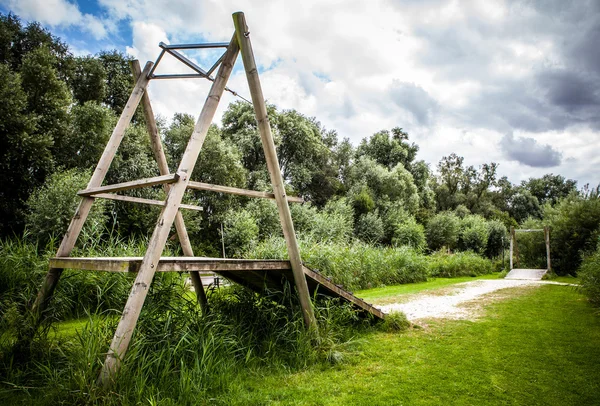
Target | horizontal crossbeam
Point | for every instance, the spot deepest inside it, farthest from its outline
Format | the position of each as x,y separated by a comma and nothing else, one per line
528,230
195,46
134,184
153,202
239,192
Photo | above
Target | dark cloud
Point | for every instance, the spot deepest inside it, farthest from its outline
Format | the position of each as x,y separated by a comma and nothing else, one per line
570,91
415,100
529,152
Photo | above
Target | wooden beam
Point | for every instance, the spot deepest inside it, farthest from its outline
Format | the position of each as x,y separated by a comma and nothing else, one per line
528,230
133,307
131,199
134,184
512,238
70,237
163,168
238,191
547,239
242,34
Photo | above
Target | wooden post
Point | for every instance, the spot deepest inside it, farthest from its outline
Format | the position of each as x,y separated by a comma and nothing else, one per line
163,168
512,236
516,248
260,109
70,237
134,304
547,238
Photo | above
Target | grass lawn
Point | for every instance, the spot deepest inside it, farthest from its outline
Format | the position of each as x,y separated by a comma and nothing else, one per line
540,347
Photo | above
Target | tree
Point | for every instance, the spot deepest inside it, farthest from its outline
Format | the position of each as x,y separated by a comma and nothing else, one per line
473,234
442,231
523,205
550,188
119,79
388,149
88,81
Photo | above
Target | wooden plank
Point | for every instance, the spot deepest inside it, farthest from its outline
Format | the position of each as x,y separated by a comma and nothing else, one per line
161,232
528,230
167,264
134,184
132,199
78,220
239,192
262,119
547,239
163,168
512,239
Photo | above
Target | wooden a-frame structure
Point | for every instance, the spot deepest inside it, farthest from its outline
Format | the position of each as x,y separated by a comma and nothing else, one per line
251,273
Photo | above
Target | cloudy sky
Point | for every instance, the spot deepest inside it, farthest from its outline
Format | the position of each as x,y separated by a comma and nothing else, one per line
514,82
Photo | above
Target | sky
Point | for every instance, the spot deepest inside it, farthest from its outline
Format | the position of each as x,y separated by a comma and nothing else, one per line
512,82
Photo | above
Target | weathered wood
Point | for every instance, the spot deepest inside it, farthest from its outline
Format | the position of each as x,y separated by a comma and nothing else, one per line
516,248
238,191
512,238
528,230
167,264
132,199
159,237
163,168
134,184
70,237
547,240
260,110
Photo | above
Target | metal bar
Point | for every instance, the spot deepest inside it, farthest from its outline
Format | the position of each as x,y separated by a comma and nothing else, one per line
195,46
162,53
179,76
186,61
238,191
134,184
215,66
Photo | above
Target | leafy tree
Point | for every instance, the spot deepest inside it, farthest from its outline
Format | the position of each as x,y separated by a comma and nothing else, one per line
334,223
410,233
240,231
119,79
442,231
550,188
473,234
388,149
523,205
88,81
497,237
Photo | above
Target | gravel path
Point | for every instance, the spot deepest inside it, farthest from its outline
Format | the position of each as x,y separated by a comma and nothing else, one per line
451,305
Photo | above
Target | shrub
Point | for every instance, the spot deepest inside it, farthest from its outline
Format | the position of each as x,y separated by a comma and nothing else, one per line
497,236
369,228
51,207
590,277
411,234
473,234
442,231
240,231
467,263
267,217
395,321
334,223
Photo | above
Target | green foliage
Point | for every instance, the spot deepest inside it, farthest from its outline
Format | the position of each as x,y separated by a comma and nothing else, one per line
574,231
523,205
119,79
550,188
267,217
240,232
467,263
387,150
89,80
442,231
497,238
395,322
355,266
589,272
51,207
410,233
473,234
369,228
531,246
334,223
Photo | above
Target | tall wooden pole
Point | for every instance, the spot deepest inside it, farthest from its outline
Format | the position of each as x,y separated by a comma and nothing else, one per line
163,168
156,245
547,238
516,248
260,109
512,237
70,237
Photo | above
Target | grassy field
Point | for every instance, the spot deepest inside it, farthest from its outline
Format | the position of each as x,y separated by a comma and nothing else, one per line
541,347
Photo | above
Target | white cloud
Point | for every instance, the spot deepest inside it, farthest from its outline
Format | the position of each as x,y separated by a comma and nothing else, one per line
58,13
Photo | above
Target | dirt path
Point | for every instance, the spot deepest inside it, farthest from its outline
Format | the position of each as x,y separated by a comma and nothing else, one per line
460,302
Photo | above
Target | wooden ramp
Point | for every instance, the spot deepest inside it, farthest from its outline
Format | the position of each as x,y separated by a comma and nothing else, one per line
252,273
526,274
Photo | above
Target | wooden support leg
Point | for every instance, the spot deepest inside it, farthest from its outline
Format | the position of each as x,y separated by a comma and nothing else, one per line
70,238
516,249
547,238
159,237
512,237
260,109
161,159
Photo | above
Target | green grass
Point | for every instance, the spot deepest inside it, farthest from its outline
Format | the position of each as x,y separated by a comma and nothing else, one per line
387,292
537,348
